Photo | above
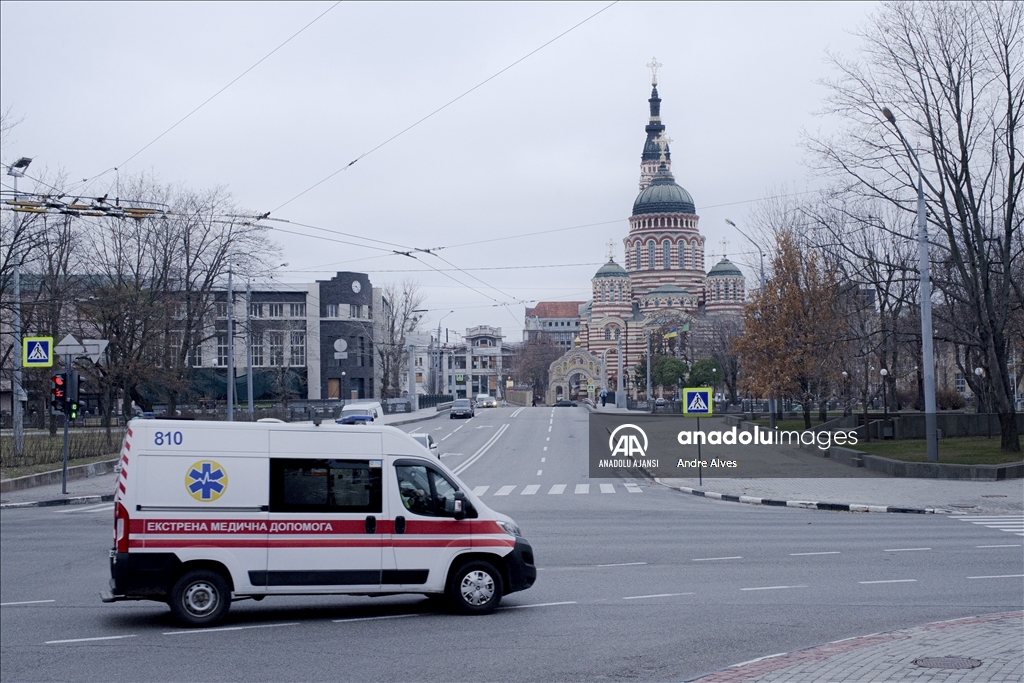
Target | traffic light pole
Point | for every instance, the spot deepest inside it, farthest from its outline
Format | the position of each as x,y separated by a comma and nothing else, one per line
68,358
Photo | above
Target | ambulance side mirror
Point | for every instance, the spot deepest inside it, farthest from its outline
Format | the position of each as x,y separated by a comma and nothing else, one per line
460,506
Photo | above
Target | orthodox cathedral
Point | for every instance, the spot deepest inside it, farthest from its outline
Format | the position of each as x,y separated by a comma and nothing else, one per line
663,286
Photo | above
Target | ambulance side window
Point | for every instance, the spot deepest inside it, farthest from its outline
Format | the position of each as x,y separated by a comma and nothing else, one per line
309,485
425,491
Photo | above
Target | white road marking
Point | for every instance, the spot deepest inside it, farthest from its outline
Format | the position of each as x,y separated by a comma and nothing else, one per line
485,427
582,488
86,640
903,550
827,552
345,621
544,459
540,472
771,588
480,490
1000,576
659,595
548,439
607,488
545,448
1011,545
517,412
483,449
709,559
530,490
445,437
25,602
542,604
633,488
227,628
504,490
458,428
90,508
549,428
891,581
622,564
557,489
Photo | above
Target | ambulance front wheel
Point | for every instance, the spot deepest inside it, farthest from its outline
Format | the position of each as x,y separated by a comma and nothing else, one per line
200,598
475,588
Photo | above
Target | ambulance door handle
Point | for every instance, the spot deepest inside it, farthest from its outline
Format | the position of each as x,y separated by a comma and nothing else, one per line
399,525
371,524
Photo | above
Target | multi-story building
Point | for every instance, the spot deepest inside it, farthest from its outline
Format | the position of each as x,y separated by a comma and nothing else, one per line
558,321
477,366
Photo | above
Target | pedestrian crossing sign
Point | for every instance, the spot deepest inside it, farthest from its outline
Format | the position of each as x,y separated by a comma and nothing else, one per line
697,401
37,352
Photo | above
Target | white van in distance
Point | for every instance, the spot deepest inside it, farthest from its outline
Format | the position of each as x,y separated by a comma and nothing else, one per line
210,512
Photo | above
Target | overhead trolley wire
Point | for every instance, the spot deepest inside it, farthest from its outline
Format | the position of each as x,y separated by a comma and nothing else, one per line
444,106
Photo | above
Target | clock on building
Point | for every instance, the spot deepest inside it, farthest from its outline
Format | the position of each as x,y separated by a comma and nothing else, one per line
356,286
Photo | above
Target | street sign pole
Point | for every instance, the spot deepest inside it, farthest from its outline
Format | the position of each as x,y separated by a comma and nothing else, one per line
64,471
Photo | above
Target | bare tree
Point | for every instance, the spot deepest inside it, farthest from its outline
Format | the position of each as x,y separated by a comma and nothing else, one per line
398,318
953,73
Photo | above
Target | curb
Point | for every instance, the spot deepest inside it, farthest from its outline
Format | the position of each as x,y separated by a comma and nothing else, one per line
29,481
80,500
415,419
805,504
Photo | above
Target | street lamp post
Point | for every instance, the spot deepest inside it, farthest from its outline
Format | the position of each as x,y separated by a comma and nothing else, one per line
231,354
756,246
17,170
927,351
440,359
846,393
885,400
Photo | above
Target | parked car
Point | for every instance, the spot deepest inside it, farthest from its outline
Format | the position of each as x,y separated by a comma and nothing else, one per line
371,408
486,401
659,401
461,407
565,403
427,441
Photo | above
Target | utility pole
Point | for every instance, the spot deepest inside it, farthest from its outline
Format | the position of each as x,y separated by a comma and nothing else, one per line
620,387
248,348
647,335
18,397
231,354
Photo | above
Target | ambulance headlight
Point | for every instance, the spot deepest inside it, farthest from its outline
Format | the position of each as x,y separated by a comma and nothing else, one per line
510,528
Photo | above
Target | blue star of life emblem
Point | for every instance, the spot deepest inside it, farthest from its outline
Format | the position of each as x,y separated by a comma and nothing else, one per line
206,481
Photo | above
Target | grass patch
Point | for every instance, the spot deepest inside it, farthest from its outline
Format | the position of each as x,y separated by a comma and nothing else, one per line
46,451
24,471
968,450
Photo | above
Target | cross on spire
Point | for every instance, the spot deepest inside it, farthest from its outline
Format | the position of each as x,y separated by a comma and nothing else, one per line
611,250
663,142
725,247
654,66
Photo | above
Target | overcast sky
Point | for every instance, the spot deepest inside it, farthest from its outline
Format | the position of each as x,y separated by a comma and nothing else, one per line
550,144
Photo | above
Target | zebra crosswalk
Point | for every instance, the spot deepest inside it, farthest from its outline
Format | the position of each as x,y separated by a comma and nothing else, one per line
1013,524
555,489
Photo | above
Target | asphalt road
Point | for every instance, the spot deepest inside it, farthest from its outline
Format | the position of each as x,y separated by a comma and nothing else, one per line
636,582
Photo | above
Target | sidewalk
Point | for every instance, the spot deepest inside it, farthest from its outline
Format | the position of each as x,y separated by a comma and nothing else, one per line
985,648
99,488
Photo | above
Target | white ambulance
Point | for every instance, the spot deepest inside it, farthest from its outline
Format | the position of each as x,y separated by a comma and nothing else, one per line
210,512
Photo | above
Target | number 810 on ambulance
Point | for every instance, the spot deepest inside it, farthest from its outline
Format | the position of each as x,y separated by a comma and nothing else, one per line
210,512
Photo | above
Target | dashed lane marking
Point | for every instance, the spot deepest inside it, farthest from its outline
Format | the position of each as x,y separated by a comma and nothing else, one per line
390,616
504,490
582,488
711,559
622,564
88,640
1010,545
542,604
480,490
557,489
890,581
227,628
771,588
998,576
607,488
826,552
633,488
530,490
657,595
540,472
904,550
25,602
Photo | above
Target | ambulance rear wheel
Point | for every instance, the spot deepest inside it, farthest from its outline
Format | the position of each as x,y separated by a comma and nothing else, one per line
475,588
200,598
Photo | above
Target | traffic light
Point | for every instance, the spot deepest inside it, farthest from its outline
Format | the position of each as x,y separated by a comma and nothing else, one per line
72,402
58,393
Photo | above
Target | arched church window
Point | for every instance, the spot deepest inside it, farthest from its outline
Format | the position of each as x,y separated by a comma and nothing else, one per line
608,334
693,257
636,255
666,255
682,255
650,255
